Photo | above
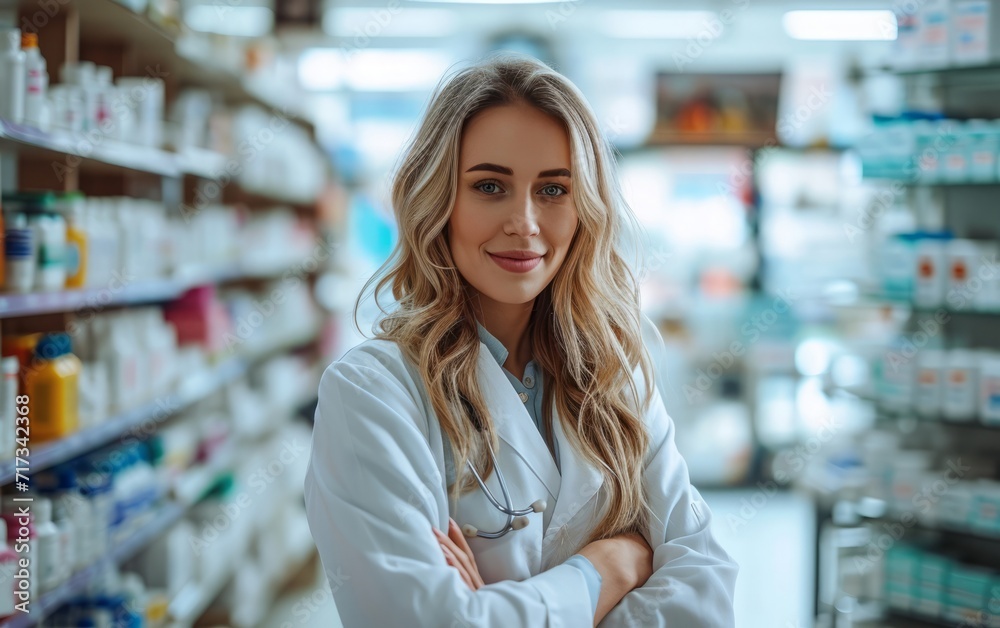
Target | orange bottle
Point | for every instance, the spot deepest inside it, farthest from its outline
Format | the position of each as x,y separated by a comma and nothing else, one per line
52,383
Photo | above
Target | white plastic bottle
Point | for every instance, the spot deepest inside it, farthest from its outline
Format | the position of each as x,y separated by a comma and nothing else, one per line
989,388
8,567
961,385
929,385
49,546
63,520
12,76
36,109
9,368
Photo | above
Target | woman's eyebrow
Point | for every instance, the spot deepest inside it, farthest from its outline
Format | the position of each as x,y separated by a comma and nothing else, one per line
556,172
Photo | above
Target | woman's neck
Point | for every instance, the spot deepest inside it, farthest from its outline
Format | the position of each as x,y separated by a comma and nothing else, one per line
509,324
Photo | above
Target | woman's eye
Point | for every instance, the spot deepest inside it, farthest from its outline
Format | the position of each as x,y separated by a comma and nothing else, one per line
553,190
488,187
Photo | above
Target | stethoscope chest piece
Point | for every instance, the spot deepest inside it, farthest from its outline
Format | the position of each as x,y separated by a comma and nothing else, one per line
516,519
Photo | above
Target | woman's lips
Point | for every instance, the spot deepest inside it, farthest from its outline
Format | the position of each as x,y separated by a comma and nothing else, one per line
515,265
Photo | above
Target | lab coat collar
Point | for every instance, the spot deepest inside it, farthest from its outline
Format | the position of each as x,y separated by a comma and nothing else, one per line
580,480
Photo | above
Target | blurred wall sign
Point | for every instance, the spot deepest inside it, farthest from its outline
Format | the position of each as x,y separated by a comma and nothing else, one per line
734,109
297,12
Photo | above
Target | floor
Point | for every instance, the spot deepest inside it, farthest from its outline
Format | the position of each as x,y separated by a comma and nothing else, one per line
770,536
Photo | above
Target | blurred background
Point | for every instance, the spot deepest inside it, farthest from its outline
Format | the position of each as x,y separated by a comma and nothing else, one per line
194,192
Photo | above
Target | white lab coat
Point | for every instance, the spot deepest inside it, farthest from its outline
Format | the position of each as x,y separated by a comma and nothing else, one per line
376,484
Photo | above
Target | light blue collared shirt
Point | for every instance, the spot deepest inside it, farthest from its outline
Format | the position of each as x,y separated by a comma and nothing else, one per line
529,390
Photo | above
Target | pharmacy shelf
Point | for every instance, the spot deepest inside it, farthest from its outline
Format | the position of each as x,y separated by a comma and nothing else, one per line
939,527
69,151
170,55
947,70
904,619
194,389
150,291
921,421
49,602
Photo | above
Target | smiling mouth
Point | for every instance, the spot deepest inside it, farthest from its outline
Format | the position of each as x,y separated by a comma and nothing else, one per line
516,265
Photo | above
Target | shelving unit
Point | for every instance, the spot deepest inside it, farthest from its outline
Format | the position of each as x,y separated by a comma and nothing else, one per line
965,209
167,515
132,44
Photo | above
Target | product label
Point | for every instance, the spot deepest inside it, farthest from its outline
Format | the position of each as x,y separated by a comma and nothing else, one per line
971,32
72,258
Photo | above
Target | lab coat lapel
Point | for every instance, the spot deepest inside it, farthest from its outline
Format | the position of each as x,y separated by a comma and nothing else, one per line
513,423
580,481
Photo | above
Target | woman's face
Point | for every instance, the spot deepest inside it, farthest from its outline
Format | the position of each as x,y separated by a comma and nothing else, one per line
514,216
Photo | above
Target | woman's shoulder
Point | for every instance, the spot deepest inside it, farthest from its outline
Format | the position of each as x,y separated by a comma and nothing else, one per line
385,358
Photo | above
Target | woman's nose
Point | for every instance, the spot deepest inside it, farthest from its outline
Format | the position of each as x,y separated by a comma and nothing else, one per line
523,218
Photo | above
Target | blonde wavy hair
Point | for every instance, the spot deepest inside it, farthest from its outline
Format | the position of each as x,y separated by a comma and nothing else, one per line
585,326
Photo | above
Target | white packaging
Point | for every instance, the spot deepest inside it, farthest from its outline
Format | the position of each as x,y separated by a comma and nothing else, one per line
93,393
36,109
67,538
145,97
961,385
895,377
50,234
9,368
956,155
987,299
67,106
989,388
983,148
49,553
8,567
906,49
935,37
963,262
975,32
929,389
930,278
12,76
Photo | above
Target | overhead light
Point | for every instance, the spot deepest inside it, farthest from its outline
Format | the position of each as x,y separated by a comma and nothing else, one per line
396,69
380,22
388,70
227,19
639,24
321,69
844,25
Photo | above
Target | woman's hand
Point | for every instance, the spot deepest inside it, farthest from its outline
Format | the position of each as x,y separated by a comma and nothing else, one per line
459,555
625,562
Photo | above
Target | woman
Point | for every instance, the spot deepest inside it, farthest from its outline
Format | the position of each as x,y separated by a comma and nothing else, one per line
515,334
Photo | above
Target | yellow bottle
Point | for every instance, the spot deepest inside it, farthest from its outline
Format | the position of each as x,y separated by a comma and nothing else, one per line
52,383
71,208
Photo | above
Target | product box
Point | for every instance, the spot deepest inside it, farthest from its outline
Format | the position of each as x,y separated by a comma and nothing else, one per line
975,32
906,53
934,33
985,512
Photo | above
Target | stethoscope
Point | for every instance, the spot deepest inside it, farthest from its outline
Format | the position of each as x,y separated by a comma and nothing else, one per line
516,519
